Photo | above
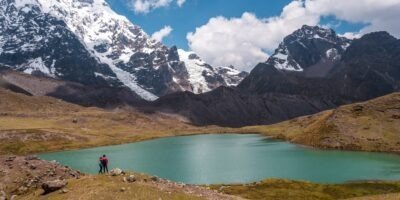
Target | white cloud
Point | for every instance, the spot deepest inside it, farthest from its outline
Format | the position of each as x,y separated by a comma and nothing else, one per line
378,14
351,35
180,2
145,6
243,41
161,34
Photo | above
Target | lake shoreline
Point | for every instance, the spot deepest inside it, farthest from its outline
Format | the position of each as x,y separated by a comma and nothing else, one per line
218,131
346,189
233,148
99,185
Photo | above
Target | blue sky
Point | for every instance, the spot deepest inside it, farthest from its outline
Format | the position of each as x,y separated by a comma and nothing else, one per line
195,13
244,32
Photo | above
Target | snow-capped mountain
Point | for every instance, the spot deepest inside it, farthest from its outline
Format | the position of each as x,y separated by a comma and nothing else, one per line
87,42
311,49
204,78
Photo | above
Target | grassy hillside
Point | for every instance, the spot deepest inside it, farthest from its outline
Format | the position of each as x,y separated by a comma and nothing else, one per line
369,126
35,124
276,189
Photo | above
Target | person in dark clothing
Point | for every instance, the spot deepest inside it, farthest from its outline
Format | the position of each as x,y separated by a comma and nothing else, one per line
104,162
100,165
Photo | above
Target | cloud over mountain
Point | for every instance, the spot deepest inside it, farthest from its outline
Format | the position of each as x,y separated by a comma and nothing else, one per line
245,41
161,34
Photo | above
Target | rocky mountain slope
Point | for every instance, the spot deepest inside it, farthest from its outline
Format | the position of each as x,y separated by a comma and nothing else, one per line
373,125
85,41
368,68
312,50
84,95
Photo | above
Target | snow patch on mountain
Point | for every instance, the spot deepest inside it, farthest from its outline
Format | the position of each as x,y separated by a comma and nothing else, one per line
201,74
281,60
195,67
36,65
333,54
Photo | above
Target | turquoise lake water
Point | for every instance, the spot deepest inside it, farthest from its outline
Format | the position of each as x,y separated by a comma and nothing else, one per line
234,158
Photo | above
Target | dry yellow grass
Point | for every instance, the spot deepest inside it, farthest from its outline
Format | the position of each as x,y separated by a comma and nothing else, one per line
39,124
106,188
395,196
276,189
370,126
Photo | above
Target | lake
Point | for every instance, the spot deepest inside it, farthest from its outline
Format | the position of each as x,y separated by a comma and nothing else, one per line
234,158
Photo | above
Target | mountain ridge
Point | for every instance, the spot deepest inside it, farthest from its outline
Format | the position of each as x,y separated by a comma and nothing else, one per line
110,49
270,95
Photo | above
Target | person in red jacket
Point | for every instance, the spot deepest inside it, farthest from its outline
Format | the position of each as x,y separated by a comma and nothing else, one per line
104,163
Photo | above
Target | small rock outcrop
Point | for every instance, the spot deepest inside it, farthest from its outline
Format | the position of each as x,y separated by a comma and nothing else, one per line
116,172
131,178
154,178
51,186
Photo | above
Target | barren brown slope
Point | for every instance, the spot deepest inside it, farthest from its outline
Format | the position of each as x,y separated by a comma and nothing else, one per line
369,126
34,124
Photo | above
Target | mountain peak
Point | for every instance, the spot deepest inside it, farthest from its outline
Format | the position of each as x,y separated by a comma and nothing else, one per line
312,30
111,49
308,47
314,33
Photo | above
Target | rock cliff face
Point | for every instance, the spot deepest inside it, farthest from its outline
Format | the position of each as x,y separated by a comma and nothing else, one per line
311,49
85,41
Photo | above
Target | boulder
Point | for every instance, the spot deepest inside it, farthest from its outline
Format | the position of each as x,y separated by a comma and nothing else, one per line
63,191
54,162
22,190
10,158
51,186
154,178
116,172
131,179
31,157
